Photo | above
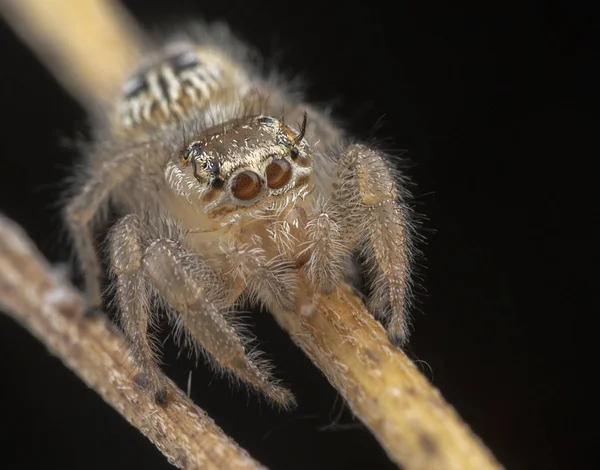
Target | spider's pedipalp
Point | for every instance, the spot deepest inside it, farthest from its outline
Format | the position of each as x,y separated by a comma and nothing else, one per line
270,281
328,247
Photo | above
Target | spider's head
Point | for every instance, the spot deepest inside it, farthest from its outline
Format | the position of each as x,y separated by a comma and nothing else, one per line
257,159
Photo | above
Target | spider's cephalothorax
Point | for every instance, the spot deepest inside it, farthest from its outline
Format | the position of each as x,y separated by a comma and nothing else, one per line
241,163
223,203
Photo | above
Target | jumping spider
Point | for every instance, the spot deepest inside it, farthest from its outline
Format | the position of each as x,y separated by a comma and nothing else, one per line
231,189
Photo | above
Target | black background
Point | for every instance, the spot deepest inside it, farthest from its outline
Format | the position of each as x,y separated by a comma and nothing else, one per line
495,107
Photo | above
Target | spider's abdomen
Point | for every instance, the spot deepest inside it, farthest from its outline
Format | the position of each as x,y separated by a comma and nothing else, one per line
180,84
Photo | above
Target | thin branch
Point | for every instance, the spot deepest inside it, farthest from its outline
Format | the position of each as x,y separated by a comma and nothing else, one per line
50,308
408,416
89,45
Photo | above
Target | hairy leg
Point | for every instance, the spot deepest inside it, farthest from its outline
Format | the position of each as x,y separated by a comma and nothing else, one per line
180,278
269,281
381,218
365,210
83,208
133,298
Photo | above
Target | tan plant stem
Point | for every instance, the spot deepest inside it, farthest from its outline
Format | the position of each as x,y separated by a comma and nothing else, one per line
406,414
52,310
88,45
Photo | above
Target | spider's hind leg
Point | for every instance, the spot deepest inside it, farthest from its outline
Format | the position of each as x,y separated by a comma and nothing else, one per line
84,207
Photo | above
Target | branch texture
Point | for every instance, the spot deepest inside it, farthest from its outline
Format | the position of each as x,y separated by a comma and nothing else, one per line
406,414
88,45
50,308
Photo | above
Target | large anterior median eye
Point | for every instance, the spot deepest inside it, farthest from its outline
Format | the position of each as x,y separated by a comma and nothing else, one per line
279,173
246,185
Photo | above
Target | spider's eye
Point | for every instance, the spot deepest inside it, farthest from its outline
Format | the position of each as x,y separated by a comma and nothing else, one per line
295,152
185,156
279,173
189,152
246,185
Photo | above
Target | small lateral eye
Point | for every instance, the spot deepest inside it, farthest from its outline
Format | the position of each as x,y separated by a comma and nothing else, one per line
279,173
189,152
246,185
185,156
295,152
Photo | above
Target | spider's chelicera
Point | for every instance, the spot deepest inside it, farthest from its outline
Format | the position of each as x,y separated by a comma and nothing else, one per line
224,202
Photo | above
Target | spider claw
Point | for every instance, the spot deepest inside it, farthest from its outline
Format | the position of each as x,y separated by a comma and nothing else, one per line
142,381
160,396
279,395
283,398
258,376
397,332
146,383
93,311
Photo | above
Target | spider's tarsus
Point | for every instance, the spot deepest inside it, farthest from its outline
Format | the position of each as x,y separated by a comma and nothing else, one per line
397,334
282,397
93,311
142,381
160,397
327,290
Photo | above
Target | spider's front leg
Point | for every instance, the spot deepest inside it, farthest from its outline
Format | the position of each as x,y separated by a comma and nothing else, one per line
196,292
133,299
366,209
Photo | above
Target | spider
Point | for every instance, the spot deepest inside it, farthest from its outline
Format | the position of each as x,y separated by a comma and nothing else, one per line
229,190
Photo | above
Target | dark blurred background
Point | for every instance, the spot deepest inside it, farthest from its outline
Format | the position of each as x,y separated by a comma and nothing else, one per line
495,105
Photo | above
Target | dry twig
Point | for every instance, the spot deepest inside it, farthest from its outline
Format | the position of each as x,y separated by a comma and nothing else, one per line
52,310
382,386
88,45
